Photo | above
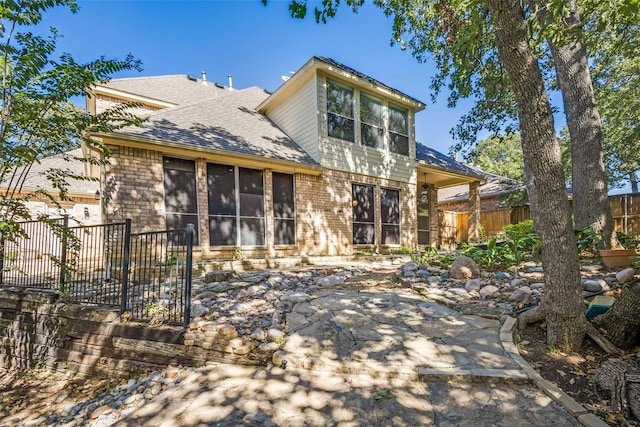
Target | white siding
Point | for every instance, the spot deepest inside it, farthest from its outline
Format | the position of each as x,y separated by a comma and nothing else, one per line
297,117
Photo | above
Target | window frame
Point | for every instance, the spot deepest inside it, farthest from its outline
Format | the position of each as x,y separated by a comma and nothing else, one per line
241,218
393,132
378,128
276,212
359,223
178,214
385,226
339,115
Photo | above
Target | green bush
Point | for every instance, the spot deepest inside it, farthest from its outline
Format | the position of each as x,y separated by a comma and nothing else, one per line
629,241
518,231
587,240
522,238
402,250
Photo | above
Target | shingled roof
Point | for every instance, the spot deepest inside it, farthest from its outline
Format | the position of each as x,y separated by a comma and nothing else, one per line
177,89
433,158
37,179
227,123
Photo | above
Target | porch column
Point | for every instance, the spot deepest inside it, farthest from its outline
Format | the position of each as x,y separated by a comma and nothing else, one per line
434,217
474,211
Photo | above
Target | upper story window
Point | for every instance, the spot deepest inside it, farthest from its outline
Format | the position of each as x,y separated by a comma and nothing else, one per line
340,117
371,121
398,130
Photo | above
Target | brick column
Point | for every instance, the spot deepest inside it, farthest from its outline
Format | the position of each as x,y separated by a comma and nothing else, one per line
268,214
474,211
203,205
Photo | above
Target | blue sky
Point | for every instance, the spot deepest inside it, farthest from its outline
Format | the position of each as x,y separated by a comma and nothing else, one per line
254,43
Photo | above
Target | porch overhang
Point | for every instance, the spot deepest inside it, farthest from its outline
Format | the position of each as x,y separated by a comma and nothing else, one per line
442,178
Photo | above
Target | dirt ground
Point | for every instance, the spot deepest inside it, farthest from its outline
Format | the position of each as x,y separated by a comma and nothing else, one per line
573,373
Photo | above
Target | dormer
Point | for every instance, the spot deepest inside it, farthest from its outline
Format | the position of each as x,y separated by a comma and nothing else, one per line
346,120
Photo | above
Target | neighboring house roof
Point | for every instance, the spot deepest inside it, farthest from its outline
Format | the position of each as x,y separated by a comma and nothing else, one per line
37,179
433,158
176,89
229,123
494,185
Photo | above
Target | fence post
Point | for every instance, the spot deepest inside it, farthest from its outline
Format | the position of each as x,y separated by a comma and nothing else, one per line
125,265
63,255
189,266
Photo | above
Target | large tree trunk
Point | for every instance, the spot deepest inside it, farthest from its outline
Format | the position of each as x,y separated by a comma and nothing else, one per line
590,202
562,305
622,321
622,379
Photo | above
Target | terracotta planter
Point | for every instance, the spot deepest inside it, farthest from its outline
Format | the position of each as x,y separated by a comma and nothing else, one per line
618,257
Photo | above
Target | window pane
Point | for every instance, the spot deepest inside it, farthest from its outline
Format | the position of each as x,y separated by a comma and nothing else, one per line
390,206
423,223
222,230
340,127
398,120
423,238
363,207
221,187
180,191
252,231
283,196
340,118
175,221
284,232
251,193
339,99
370,111
363,234
390,234
363,215
399,144
371,135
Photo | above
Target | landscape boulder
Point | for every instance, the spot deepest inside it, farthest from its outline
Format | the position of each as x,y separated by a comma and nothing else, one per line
464,268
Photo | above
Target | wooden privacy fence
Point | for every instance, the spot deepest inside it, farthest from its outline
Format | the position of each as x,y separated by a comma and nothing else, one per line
625,209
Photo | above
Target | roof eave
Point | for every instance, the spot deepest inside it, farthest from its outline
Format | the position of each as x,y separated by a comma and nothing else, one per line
316,64
179,148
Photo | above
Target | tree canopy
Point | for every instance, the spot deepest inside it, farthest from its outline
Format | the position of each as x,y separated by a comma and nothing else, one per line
37,117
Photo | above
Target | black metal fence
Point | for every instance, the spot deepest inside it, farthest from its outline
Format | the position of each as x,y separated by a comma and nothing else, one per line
146,275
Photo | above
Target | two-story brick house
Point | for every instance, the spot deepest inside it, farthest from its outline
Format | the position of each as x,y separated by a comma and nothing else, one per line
325,165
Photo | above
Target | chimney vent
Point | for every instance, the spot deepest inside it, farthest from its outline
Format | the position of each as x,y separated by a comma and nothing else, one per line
204,77
230,81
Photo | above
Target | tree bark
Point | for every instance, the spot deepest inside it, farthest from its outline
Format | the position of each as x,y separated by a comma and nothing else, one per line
589,185
622,379
562,305
621,322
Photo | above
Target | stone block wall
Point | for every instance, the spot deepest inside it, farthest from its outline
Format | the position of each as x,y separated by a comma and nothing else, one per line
36,330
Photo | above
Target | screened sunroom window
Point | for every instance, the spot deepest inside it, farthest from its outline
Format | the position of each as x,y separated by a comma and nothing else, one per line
398,130
371,122
390,216
180,194
340,111
284,209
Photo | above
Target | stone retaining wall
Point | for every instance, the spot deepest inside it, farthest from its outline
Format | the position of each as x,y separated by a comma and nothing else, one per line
36,329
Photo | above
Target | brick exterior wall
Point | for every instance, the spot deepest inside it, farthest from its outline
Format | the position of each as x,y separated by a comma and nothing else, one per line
323,206
134,188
